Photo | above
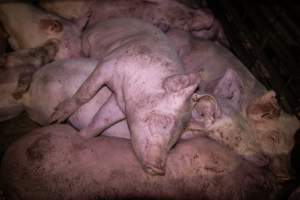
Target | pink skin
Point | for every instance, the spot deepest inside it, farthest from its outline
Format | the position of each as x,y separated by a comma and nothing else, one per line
15,75
214,61
142,68
55,163
165,14
63,78
18,18
228,120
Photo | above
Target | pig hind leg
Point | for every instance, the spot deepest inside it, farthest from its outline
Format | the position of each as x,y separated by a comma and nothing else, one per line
108,115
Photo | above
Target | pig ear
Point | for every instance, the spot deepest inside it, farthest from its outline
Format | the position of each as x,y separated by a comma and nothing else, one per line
51,25
264,107
205,110
182,84
230,88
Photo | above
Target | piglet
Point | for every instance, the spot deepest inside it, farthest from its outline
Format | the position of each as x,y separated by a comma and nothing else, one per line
55,163
17,69
138,62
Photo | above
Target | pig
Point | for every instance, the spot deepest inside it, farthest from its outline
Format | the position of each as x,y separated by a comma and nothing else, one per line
60,80
72,10
17,69
164,14
275,130
55,163
223,74
140,65
237,92
29,27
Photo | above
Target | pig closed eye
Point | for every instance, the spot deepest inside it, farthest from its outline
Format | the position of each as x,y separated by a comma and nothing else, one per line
159,124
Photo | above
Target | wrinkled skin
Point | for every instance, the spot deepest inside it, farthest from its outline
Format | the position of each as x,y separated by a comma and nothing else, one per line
164,14
17,18
16,70
55,163
140,65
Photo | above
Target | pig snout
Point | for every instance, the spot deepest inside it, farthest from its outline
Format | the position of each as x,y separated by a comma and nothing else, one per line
154,161
258,159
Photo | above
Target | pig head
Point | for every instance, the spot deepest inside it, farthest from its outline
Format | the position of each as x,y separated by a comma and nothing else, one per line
155,129
274,130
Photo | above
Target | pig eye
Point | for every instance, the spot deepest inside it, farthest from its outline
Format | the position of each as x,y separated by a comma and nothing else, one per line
159,124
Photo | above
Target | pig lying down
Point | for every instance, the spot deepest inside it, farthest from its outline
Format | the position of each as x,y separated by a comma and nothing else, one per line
140,65
165,14
55,163
16,70
240,97
28,61
30,27
60,80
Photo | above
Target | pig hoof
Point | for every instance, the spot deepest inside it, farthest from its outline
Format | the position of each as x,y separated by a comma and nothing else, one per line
154,170
63,111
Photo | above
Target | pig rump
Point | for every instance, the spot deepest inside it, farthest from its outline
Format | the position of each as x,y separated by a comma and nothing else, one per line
55,163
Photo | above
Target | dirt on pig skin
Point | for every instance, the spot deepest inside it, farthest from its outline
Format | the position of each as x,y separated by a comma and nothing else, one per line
55,163
163,14
18,18
17,69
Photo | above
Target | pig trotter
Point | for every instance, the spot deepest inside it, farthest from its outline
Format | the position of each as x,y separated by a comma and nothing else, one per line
64,110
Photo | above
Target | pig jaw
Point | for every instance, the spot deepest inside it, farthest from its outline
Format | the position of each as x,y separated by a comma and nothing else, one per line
153,137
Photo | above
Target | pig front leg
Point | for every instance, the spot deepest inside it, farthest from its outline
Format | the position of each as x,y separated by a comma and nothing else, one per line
108,115
86,92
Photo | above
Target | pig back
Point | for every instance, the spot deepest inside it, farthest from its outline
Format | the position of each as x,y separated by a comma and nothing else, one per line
55,163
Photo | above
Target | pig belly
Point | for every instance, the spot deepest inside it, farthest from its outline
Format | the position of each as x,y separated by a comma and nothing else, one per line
57,81
55,163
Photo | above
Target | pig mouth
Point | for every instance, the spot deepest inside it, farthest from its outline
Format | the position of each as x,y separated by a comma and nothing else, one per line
154,170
